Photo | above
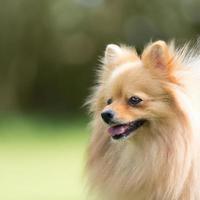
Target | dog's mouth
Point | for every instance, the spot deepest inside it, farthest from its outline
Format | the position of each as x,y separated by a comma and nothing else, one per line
120,131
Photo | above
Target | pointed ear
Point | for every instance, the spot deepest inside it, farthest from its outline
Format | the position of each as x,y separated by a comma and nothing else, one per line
157,57
112,53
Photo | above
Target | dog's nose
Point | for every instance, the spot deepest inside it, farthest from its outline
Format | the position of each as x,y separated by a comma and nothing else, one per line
107,116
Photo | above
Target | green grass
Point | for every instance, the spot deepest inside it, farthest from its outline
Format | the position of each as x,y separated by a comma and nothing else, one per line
42,160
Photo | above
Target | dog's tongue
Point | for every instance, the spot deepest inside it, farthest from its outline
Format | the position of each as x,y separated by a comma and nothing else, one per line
117,130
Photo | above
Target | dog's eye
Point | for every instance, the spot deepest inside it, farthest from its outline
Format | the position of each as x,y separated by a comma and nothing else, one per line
133,101
109,101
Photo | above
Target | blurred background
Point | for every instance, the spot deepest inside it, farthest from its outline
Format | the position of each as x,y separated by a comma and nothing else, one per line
49,50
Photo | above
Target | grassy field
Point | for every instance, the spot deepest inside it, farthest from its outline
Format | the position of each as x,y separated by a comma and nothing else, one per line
42,159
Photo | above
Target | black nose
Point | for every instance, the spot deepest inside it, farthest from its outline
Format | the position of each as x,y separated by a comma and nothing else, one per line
107,116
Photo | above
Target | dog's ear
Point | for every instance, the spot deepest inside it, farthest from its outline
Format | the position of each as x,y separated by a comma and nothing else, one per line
112,53
157,57
116,55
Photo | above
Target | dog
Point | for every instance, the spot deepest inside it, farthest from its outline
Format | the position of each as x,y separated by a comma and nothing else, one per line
145,124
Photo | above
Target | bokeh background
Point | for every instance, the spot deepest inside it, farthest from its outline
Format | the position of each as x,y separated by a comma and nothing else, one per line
49,50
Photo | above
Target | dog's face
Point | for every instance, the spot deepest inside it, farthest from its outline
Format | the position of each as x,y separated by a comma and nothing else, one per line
135,92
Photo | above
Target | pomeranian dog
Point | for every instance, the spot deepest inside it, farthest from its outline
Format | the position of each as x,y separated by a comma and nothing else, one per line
145,130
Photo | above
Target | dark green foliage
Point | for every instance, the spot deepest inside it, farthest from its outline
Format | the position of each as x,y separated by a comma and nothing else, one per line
49,49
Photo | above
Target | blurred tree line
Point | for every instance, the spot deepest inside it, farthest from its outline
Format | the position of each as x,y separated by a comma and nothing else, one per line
49,49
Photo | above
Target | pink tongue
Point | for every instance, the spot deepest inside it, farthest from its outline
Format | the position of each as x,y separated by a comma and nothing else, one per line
117,130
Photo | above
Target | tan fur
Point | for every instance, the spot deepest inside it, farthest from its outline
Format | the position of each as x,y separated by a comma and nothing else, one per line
160,161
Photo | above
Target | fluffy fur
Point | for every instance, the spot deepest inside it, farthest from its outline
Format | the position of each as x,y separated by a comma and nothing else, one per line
161,160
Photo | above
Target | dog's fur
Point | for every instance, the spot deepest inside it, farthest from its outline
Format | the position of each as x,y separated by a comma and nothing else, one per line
161,160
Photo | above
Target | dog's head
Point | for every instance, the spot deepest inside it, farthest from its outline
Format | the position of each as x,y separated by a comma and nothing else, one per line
134,92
